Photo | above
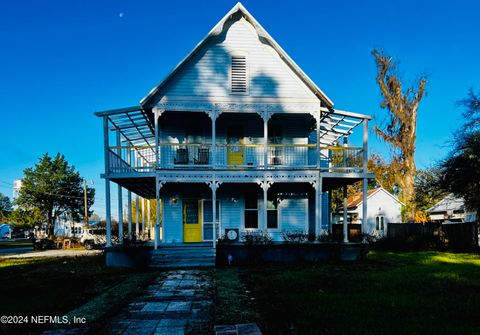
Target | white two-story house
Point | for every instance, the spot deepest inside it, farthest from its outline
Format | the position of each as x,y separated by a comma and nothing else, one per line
237,137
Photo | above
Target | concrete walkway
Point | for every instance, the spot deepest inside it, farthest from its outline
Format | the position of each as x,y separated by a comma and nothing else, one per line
54,253
179,302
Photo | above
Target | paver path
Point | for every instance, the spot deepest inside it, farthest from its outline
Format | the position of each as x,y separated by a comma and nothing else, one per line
179,302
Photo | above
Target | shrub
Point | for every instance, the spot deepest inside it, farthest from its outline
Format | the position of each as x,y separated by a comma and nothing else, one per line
294,236
325,236
256,237
223,239
44,244
373,237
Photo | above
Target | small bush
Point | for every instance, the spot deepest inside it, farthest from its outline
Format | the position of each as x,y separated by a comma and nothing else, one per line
373,237
223,239
325,236
44,244
256,237
294,236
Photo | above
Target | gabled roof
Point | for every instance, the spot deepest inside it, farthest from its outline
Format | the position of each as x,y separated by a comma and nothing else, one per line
217,30
356,199
448,203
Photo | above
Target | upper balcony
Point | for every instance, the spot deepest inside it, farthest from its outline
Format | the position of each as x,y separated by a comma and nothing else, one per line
134,143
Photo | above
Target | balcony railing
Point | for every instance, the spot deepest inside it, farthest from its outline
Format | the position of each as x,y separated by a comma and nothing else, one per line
234,156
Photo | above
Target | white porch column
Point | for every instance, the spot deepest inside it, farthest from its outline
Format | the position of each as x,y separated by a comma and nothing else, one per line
265,116
364,206
143,215
318,206
129,195
137,219
120,195
149,219
158,186
214,186
265,186
214,212
107,182
365,145
365,180
120,214
345,216
129,214
156,114
317,120
213,116
108,213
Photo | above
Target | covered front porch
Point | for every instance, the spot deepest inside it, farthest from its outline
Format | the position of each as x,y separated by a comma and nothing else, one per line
172,209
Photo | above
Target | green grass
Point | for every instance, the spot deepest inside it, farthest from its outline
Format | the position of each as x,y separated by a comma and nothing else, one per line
56,286
233,303
390,293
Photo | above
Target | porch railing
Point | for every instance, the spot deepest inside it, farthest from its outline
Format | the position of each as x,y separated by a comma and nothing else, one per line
234,156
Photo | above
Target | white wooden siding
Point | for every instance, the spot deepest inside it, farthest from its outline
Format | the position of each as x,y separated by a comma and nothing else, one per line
208,74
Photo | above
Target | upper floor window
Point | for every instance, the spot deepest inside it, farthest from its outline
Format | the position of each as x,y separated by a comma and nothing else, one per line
239,75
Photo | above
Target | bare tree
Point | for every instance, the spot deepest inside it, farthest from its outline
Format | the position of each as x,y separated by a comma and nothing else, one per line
399,130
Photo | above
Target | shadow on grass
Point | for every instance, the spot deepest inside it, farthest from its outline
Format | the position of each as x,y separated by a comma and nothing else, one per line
404,293
55,286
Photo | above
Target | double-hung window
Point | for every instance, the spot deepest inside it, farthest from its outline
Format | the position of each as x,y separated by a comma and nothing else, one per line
251,211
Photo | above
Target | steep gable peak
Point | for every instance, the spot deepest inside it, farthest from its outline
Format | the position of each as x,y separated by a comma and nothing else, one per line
236,13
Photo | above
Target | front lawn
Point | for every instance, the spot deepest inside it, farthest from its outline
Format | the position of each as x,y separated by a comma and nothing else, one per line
56,286
390,293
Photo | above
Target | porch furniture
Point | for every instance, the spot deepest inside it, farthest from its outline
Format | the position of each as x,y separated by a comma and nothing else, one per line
181,156
203,155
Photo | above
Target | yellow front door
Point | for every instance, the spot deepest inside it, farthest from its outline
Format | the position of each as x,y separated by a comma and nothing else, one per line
235,143
192,225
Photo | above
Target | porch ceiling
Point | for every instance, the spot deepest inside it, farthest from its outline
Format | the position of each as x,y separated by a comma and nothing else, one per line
144,187
136,126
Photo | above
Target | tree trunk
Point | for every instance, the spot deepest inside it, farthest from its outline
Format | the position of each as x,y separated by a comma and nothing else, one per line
50,225
408,190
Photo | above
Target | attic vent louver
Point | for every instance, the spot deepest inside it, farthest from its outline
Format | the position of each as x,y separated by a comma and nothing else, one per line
239,74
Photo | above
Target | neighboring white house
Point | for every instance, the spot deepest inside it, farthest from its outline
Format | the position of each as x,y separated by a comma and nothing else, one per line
451,209
383,207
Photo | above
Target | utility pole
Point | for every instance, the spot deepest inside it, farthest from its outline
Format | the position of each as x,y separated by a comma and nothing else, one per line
85,203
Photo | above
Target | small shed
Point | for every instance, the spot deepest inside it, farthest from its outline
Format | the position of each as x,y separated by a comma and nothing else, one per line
383,208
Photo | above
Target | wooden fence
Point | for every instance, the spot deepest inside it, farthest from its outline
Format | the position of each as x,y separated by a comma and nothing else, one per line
452,235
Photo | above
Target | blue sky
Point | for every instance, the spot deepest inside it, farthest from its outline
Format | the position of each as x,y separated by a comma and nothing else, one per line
61,61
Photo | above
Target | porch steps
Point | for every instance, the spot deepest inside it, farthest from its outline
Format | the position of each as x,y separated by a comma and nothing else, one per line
184,256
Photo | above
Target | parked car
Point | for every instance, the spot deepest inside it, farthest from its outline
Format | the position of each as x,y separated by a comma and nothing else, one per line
94,238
